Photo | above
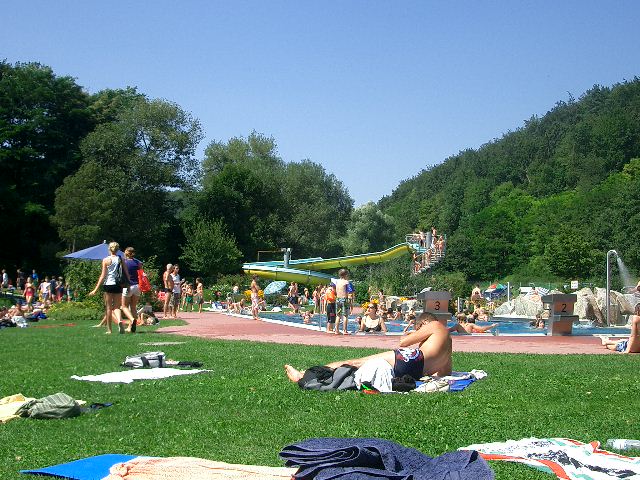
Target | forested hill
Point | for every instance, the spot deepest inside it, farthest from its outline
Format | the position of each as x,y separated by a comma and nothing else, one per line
546,200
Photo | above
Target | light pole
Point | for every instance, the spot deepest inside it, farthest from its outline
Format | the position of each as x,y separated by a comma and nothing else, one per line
610,254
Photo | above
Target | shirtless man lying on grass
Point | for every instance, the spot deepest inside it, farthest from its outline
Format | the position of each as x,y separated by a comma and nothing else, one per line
431,357
631,345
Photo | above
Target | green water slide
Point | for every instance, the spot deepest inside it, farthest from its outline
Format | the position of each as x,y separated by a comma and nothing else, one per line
303,270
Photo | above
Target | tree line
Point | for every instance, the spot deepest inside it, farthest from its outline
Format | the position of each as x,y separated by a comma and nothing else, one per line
545,201
79,168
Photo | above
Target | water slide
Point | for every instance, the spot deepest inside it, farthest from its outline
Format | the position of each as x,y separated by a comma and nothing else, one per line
303,270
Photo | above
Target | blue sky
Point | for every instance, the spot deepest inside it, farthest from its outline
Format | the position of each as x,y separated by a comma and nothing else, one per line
374,91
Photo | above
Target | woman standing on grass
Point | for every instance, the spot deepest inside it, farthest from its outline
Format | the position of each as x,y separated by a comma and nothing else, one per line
112,267
131,295
29,290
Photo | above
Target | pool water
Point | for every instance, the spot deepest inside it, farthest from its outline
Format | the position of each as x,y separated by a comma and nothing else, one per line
396,327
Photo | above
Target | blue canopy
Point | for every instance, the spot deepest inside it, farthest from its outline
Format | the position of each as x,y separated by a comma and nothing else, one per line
97,252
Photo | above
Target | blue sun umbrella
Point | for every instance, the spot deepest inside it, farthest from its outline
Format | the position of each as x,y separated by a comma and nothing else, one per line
275,287
97,252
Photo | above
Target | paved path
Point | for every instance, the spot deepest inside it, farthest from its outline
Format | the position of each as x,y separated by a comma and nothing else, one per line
227,327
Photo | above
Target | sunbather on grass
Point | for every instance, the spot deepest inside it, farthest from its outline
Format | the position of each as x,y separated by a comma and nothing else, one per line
630,345
431,357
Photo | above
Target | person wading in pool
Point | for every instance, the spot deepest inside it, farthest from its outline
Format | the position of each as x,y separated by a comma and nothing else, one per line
466,327
431,357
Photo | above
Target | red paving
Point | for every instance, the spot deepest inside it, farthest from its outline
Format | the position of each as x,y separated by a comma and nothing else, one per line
227,327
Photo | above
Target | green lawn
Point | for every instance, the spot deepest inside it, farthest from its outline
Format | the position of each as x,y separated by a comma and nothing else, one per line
246,410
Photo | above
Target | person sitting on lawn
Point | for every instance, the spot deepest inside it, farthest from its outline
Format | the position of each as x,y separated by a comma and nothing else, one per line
236,307
372,322
476,295
146,315
627,345
432,356
465,327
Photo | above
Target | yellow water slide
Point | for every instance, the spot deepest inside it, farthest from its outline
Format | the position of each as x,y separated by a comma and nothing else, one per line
303,270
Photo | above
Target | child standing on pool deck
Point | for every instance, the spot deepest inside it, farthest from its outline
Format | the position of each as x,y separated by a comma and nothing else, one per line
330,305
199,295
344,292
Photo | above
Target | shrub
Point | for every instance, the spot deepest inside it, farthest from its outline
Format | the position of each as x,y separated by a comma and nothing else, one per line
82,276
76,311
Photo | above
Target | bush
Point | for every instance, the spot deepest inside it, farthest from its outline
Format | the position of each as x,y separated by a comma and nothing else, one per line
76,311
361,291
82,275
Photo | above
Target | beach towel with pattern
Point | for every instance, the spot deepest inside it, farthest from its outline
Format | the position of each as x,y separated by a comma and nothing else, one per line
565,458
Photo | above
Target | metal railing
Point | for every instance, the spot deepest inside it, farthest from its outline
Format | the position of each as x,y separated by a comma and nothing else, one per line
429,252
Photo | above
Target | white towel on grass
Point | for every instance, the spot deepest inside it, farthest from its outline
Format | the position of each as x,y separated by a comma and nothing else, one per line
128,376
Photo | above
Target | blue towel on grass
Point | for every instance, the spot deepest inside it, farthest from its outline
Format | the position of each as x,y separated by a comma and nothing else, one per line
92,468
459,385
374,458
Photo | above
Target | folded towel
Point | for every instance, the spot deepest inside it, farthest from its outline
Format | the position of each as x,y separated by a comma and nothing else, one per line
373,458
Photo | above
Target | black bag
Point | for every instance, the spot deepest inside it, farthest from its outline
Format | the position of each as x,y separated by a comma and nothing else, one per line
148,360
405,383
121,279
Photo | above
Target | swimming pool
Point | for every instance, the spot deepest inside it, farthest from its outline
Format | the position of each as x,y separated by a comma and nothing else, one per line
319,322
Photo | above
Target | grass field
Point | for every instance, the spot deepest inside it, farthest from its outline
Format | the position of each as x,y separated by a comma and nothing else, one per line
245,410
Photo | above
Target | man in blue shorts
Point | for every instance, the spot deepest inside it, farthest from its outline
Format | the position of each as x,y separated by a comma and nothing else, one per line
630,345
431,357
344,294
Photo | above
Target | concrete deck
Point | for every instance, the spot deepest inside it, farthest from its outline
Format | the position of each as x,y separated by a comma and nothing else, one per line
227,327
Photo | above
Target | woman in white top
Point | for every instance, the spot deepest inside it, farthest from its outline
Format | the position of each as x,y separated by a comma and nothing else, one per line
111,287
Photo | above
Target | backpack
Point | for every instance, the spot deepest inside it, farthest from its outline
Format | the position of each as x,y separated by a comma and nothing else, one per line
59,405
120,278
148,359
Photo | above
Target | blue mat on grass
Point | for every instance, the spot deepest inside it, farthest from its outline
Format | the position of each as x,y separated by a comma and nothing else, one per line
92,468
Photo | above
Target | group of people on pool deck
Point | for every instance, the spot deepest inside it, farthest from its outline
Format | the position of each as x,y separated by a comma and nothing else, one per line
430,356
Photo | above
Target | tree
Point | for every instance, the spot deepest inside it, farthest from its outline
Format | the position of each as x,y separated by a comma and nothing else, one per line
87,207
369,230
43,117
268,204
315,211
122,190
209,248
570,255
